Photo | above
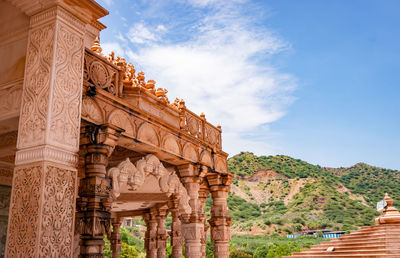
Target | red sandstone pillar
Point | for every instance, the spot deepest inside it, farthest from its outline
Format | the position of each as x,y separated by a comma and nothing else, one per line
115,238
220,222
161,231
176,234
151,234
93,218
192,225
203,194
42,206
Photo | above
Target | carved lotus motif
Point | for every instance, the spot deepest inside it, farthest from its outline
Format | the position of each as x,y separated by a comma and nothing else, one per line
99,74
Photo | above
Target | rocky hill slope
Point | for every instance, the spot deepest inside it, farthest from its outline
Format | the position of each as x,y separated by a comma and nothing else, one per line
279,194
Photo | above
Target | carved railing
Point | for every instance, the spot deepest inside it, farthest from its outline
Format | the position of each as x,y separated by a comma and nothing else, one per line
100,73
117,78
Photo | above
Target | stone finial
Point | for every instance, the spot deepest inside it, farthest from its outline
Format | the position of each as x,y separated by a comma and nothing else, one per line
202,116
150,85
161,94
175,103
390,215
96,46
182,104
219,127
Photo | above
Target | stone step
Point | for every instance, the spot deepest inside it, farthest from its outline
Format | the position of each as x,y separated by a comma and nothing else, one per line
371,236
358,243
391,240
344,256
351,247
355,244
351,252
369,231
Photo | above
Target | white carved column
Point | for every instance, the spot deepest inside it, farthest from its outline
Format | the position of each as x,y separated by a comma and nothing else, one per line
192,225
220,222
43,195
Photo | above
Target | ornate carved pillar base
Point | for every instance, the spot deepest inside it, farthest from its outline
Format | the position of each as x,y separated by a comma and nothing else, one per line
42,211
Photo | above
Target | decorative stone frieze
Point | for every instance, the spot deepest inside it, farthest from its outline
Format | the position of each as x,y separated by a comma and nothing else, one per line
128,177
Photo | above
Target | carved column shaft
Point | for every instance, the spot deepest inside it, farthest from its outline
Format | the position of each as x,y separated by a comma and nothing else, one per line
203,194
42,205
94,202
115,238
161,231
176,235
151,235
220,222
192,226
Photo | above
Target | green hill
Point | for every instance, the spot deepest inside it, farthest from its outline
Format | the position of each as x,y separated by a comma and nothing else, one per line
280,194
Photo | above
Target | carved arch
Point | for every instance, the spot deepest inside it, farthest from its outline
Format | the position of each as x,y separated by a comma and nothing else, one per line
91,111
189,152
220,165
205,158
121,119
171,144
146,133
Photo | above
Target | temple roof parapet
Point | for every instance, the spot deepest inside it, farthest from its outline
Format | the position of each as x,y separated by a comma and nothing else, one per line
120,79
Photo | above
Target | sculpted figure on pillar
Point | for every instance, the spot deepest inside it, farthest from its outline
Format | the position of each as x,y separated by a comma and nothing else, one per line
220,222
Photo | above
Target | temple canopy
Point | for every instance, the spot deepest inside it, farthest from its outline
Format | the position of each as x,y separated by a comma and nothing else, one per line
86,141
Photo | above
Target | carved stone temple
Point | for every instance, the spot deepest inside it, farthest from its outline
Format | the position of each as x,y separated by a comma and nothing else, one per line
85,141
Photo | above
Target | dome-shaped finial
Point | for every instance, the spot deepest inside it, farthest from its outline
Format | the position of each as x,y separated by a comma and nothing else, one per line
390,214
96,46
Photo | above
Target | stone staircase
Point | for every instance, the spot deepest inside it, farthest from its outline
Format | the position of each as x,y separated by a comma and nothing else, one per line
382,240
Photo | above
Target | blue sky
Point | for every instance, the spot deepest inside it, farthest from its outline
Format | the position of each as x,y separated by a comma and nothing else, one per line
316,80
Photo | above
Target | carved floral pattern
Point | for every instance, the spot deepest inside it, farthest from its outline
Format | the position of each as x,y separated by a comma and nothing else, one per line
24,222
37,83
58,212
100,74
65,113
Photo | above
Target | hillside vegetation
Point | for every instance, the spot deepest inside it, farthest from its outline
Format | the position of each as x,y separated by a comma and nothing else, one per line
280,194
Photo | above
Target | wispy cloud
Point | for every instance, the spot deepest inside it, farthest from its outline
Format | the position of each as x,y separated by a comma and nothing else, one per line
223,70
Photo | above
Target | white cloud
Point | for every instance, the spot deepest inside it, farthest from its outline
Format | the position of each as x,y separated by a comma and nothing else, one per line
140,34
109,47
108,2
223,71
